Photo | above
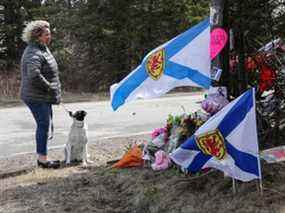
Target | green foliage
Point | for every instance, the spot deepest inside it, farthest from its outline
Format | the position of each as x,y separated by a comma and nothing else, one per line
97,43
118,34
12,16
260,21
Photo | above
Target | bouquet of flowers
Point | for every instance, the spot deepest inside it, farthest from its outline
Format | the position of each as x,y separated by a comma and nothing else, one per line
177,130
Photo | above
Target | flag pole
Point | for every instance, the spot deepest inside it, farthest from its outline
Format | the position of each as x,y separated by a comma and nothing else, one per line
260,183
260,187
258,154
234,186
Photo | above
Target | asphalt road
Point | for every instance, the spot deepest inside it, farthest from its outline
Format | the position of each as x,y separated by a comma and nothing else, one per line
139,117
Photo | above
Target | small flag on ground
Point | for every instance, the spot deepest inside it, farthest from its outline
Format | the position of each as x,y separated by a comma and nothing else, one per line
182,61
227,141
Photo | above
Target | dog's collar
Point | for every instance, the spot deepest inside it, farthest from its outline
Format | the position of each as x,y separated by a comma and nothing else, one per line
79,124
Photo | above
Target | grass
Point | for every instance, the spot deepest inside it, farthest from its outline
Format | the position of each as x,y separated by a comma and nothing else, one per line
139,190
67,97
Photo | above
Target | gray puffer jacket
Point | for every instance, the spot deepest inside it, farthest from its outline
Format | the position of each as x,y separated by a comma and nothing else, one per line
40,77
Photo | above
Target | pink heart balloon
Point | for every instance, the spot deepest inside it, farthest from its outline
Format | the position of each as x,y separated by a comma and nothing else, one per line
219,39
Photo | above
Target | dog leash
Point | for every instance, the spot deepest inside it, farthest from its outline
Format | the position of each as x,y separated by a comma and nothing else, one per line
51,125
51,121
66,110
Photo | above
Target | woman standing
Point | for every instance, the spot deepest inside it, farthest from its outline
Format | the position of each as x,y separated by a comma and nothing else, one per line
40,84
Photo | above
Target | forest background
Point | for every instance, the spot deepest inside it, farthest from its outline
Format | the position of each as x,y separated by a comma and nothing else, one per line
98,42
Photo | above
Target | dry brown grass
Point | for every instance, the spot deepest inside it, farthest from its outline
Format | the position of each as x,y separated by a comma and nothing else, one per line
9,85
141,190
41,176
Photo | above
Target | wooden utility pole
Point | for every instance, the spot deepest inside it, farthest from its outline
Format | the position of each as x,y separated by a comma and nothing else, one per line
219,18
240,49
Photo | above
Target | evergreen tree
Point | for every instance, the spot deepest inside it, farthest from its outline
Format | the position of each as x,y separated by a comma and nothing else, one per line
99,42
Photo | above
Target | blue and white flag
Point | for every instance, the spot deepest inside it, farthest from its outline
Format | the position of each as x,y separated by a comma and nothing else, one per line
182,61
227,141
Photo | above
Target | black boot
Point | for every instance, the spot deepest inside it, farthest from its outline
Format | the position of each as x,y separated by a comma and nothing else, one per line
49,164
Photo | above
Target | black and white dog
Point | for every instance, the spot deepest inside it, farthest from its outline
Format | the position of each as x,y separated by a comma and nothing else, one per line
76,146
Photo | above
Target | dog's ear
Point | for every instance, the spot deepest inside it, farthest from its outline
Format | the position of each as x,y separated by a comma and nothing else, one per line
70,113
84,113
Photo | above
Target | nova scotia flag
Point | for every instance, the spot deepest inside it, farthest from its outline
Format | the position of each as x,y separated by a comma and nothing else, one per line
227,142
182,61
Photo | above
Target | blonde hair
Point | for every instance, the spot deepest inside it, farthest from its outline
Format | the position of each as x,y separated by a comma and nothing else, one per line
33,30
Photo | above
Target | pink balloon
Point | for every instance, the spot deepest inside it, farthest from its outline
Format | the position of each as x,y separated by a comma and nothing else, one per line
219,39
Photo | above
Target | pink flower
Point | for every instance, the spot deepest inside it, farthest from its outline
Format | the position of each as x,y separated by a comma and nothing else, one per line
157,132
162,161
